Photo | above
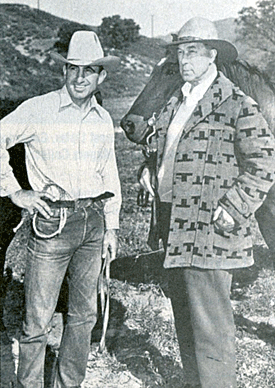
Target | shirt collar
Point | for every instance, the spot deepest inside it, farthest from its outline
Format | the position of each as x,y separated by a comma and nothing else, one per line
66,101
193,96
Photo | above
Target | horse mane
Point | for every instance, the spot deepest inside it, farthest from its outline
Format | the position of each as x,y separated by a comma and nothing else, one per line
255,84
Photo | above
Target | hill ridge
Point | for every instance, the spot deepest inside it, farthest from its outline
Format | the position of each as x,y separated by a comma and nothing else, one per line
28,34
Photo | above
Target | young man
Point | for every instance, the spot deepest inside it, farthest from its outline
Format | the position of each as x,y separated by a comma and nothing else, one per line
75,204
215,165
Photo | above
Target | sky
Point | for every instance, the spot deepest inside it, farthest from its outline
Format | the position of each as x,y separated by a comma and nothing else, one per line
155,17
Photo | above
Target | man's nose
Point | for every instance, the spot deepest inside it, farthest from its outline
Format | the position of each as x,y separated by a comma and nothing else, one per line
80,75
184,59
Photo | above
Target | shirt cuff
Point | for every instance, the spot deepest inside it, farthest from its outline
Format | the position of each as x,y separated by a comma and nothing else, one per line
112,220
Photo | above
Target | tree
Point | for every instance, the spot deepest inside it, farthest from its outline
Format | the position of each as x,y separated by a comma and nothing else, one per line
257,26
117,33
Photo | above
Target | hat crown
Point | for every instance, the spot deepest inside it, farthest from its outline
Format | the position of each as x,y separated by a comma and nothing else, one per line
199,28
84,48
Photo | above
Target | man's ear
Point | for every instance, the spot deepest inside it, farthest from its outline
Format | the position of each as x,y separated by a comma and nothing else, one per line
64,70
101,77
213,54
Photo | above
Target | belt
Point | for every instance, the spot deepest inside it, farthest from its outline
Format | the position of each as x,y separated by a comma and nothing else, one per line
64,205
77,203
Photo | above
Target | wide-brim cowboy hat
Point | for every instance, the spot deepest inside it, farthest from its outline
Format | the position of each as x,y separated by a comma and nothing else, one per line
85,49
204,31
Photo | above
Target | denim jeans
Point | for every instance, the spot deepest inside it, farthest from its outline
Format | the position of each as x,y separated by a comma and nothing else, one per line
77,251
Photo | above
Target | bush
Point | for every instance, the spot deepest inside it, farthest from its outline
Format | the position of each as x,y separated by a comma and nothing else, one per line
117,33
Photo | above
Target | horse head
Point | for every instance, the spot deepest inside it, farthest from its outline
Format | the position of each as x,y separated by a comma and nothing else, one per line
164,81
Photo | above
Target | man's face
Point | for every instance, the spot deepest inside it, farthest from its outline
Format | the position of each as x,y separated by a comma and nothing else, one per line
194,61
82,81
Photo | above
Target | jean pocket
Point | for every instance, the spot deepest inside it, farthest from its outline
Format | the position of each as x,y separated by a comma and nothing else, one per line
48,228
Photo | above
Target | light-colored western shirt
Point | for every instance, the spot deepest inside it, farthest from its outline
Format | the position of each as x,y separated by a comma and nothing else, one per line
184,112
69,153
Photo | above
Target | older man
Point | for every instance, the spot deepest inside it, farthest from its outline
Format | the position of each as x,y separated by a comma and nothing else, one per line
215,164
75,202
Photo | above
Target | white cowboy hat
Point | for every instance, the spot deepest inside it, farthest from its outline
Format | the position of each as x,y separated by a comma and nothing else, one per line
85,49
202,30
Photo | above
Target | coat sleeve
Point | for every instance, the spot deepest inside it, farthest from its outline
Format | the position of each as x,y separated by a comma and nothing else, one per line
255,153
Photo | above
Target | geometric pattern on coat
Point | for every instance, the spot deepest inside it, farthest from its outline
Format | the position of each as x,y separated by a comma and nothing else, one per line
225,157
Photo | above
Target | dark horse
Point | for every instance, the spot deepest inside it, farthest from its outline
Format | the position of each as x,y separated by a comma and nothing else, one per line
165,80
9,213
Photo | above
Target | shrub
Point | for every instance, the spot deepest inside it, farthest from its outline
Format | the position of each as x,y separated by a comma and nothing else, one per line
118,33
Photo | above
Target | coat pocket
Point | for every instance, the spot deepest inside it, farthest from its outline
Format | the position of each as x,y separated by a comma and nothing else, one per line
217,177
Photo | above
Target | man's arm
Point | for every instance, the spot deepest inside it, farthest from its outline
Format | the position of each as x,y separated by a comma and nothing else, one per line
16,128
110,243
112,184
112,205
255,146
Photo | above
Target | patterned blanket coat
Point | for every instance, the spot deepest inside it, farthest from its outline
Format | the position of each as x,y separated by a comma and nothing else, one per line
225,157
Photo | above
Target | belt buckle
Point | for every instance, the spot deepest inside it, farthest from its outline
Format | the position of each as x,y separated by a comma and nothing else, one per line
82,204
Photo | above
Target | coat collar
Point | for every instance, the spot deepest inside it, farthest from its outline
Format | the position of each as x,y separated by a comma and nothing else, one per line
221,89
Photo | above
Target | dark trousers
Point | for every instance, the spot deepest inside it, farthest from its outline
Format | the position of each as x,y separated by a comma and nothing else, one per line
266,220
204,321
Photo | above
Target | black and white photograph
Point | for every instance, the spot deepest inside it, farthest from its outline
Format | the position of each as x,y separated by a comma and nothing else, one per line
137,194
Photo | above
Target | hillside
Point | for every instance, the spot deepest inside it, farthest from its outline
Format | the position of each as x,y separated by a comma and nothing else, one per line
27,35
228,30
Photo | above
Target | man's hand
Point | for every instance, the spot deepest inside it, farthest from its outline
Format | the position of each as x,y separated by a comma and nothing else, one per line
31,200
145,181
223,219
110,244
146,193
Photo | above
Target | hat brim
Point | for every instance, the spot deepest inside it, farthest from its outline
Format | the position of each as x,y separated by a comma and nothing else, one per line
109,62
227,52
